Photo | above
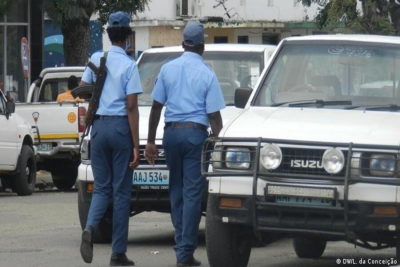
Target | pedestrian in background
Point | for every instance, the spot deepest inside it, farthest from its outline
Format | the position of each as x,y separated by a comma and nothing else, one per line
114,140
67,95
191,92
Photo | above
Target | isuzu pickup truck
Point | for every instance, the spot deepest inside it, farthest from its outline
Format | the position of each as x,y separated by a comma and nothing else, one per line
17,152
60,124
314,155
234,64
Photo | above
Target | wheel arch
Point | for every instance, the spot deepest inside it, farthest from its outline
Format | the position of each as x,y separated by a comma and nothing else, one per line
27,140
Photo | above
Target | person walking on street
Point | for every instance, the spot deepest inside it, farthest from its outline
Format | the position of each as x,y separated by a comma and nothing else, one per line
114,140
191,92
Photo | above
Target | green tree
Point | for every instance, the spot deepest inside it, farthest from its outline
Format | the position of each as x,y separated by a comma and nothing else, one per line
374,17
5,6
73,16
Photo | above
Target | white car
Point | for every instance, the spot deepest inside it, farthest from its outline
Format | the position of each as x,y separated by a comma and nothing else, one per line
312,156
234,64
17,153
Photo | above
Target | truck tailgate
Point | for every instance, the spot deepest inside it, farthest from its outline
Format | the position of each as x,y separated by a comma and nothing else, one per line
54,120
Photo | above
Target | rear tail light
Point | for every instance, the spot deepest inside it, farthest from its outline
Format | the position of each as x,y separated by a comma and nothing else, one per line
81,119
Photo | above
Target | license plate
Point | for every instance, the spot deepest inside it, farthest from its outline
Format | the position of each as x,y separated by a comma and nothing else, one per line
301,191
304,201
151,179
44,147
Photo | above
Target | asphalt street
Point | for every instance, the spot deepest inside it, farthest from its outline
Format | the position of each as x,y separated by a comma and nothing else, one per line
43,230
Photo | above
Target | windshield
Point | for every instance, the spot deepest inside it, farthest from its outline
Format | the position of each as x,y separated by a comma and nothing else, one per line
233,69
364,75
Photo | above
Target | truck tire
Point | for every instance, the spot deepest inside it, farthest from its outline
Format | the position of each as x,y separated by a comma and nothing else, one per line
309,248
227,245
25,179
103,232
64,175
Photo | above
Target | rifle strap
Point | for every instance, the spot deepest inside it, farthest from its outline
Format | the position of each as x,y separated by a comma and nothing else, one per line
95,69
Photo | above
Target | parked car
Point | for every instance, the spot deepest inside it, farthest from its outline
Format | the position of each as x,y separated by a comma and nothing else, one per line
17,152
314,155
61,124
233,64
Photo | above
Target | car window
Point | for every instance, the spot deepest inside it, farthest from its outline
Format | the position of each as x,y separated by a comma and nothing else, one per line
366,75
51,88
149,66
233,69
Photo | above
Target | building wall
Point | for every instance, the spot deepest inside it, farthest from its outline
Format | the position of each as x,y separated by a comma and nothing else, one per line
159,36
249,10
223,32
54,43
256,21
164,36
141,39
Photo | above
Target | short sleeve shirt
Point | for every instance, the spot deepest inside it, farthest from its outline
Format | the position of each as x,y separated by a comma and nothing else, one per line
122,80
189,88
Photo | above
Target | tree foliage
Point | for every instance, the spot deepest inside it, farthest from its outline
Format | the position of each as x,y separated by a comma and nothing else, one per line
5,6
73,17
374,16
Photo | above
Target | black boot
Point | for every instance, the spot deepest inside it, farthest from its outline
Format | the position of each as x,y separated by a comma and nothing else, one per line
120,259
87,244
192,262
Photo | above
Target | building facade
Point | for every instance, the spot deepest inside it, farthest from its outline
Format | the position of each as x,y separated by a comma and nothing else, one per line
225,21
20,46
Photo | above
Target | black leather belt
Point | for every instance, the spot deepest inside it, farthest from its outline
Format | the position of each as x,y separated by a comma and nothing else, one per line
107,117
186,124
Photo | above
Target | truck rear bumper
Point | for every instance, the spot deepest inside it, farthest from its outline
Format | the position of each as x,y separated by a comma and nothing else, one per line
141,199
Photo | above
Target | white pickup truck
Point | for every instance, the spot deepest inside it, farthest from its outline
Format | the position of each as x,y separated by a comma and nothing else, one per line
315,154
234,64
60,124
17,153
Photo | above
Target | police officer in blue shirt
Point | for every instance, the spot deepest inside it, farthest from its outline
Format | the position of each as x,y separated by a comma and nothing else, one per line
114,141
189,89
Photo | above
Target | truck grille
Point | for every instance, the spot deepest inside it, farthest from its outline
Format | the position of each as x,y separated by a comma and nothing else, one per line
161,156
304,161
301,160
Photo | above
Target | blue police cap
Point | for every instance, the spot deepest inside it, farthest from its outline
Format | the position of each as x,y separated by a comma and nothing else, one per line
119,19
193,34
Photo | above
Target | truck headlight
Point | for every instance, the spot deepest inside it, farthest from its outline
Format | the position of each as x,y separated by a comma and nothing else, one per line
271,156
333,160
382,165
237,158
85,149
216,157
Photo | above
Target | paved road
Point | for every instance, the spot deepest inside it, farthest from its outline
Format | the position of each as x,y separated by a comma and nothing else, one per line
43,230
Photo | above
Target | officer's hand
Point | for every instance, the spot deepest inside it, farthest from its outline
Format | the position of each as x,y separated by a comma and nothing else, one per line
151,153
136,159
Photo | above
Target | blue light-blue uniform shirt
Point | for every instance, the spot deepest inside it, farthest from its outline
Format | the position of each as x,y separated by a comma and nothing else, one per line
189,88
122,79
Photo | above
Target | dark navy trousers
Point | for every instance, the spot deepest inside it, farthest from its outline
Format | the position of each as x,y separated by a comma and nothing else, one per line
182,148
111,151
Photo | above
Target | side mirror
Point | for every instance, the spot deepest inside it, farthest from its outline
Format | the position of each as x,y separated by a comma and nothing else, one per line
84,91
242,96
10,107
